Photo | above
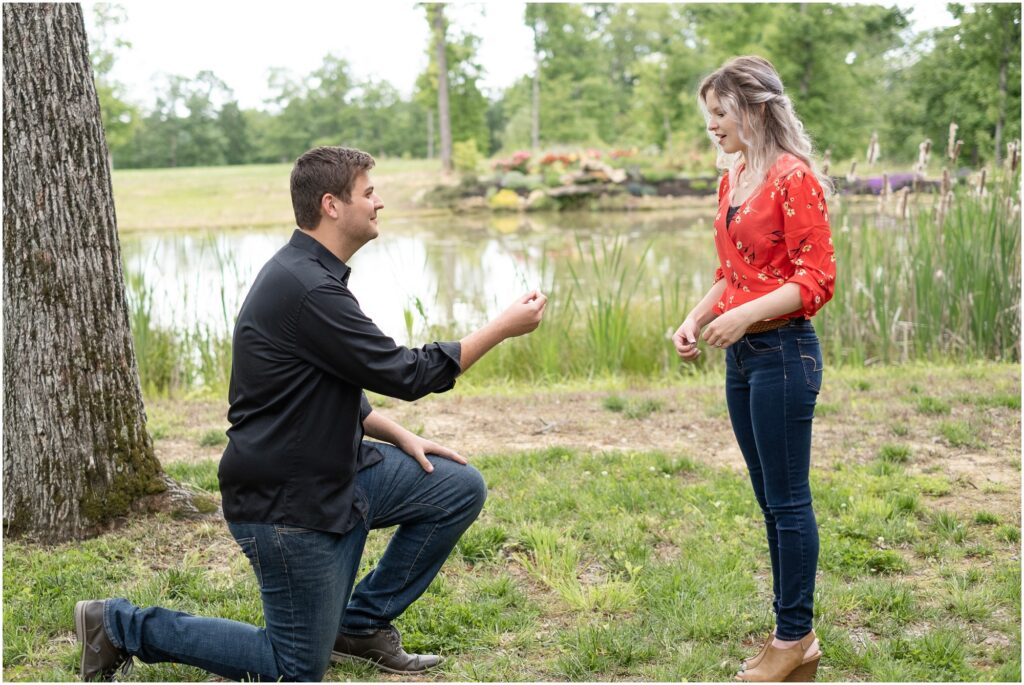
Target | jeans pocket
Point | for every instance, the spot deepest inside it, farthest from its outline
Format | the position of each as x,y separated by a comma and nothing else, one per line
252,553
763,343
810,359
292,530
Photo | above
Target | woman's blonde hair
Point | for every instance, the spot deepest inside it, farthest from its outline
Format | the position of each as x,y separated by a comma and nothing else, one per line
768,130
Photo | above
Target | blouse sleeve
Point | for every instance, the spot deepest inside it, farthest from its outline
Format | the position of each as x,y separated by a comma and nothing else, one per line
723,188
808,240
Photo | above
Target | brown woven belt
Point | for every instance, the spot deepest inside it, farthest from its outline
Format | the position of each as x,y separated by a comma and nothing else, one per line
770,325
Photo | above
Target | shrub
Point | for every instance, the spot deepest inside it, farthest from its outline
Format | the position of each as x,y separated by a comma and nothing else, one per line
505,201
466,157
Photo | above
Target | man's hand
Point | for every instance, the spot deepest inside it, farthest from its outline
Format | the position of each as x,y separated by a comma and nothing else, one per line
418,448
727,328
524,315
685,340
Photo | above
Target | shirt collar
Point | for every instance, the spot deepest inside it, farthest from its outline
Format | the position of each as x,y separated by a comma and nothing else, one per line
327,258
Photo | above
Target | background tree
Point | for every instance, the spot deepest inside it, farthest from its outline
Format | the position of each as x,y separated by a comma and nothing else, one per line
76,450
120,117
439,31
972,76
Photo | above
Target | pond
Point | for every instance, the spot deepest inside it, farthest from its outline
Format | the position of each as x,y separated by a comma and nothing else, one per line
451,272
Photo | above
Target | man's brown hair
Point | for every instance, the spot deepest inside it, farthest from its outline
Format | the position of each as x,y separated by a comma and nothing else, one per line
324,170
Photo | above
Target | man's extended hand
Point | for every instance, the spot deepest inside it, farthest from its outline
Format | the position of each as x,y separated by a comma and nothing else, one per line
418,448
524,315
521,317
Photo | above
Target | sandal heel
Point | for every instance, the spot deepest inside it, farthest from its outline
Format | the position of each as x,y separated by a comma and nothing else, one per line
805,672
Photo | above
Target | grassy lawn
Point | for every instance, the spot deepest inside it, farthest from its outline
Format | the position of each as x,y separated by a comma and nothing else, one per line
242,196
592,565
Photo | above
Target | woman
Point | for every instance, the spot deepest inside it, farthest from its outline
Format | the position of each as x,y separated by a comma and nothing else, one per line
777,269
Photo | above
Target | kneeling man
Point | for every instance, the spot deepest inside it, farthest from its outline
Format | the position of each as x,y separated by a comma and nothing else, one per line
301,488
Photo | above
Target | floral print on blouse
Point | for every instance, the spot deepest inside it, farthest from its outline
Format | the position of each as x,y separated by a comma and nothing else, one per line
780,234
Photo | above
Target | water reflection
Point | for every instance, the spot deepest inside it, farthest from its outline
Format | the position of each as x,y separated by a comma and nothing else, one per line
462,270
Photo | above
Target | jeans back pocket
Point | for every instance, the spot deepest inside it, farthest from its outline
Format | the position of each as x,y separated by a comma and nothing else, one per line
811,361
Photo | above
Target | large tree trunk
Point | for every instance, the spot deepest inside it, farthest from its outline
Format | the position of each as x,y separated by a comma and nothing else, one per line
443,110
535,114
76,450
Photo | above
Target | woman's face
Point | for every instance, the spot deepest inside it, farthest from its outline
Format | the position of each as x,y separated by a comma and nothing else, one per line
723,125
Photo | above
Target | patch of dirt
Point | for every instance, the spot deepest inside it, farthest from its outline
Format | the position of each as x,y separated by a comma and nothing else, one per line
851,427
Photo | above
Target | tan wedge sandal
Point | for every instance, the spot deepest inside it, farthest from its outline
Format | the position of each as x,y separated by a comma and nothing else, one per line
753,661
784,665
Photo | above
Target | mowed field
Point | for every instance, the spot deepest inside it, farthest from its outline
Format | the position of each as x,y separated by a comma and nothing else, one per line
243,196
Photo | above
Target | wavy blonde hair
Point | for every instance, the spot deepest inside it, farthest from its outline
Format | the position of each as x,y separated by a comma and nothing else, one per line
741,85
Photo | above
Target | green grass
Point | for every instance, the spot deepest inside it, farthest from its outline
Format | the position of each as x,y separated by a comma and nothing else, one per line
649,568
215,437
241,196
932,406
639,408
960,434
894,454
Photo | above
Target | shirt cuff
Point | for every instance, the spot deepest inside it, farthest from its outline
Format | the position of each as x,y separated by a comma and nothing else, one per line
452,350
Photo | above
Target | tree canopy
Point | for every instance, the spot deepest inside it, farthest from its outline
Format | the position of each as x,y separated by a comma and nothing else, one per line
616,75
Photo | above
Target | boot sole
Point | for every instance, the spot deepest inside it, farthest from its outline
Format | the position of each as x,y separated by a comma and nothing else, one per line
339,658
80,633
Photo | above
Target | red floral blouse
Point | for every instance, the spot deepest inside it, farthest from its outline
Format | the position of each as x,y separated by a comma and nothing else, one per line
779,235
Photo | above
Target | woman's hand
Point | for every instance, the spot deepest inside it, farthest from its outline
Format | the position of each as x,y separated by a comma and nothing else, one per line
418,448
727,328
685,340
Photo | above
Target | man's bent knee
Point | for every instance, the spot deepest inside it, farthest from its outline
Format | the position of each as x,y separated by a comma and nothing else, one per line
471,487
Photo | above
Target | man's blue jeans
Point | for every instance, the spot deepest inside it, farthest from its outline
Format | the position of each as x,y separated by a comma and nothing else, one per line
771,385
306,577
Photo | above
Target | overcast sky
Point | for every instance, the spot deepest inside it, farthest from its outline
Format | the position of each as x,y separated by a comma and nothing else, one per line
381,39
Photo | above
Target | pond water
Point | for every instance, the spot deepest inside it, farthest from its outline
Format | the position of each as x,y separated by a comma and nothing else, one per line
462,270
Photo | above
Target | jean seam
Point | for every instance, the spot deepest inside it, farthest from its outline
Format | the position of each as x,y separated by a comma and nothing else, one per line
106,626
408,575
291,598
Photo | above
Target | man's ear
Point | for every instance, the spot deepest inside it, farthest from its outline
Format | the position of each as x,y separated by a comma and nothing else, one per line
327,206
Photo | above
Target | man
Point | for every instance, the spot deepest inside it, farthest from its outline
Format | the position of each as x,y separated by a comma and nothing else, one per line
301,489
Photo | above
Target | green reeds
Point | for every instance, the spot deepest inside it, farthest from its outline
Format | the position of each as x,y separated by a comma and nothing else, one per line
941,285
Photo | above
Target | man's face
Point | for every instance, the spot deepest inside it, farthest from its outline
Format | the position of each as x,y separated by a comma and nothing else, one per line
358,218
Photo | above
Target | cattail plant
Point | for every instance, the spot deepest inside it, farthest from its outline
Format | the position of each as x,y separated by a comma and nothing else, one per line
944,205
852,176
873,149
904,195
980,190
924,153
956,151
952,141
1013,155
826,161
946,184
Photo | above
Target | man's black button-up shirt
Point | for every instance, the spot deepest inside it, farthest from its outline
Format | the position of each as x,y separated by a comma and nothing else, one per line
303,351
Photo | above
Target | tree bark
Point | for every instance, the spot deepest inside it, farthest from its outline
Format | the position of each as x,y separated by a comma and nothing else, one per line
535,114
76,451
443,111
430,134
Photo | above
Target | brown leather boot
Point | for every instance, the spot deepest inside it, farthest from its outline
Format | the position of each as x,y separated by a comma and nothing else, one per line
100,658
382,649
785,665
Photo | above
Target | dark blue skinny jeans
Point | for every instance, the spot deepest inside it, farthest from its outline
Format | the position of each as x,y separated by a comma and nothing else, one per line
772,381
306,576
